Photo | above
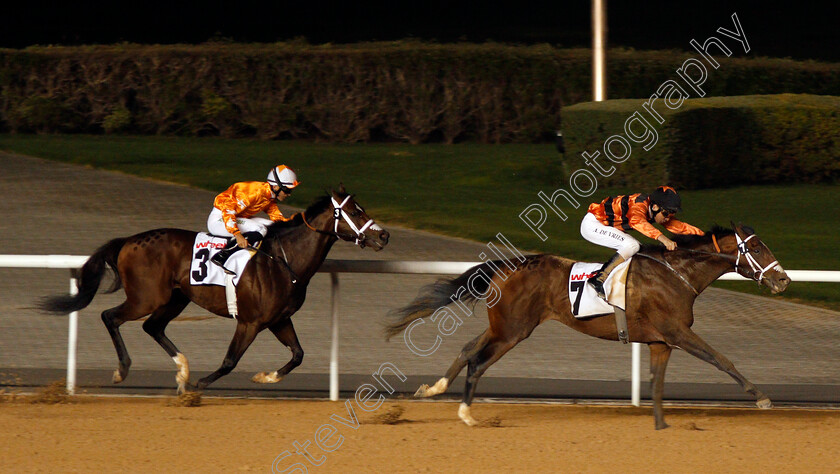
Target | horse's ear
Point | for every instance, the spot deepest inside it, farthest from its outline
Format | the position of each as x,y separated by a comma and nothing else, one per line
734,227
341,188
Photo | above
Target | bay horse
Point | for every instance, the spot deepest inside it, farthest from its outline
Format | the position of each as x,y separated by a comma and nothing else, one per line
154,268
661,289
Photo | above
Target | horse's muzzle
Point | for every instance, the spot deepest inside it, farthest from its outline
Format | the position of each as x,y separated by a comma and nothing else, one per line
380,241
779,283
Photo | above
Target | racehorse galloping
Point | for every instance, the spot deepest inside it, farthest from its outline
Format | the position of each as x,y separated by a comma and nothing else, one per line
154,268
661,289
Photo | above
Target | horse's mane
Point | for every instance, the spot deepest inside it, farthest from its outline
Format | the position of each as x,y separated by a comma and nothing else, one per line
280,228
691,241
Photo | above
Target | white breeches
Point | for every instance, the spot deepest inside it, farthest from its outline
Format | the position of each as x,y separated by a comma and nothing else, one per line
216,225
599,234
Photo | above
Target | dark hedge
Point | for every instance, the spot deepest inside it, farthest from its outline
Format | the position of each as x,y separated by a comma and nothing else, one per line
402,91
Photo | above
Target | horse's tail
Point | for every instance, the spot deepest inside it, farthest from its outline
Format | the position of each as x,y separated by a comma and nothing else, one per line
438,295
91,277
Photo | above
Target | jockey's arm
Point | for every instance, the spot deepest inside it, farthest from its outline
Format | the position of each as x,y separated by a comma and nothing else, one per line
274,213
231,203
679,227
638,221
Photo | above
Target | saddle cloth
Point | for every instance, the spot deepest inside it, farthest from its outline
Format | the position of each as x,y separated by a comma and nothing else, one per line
205,272
585,301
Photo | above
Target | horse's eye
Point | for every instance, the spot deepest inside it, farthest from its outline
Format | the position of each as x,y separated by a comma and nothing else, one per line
757,251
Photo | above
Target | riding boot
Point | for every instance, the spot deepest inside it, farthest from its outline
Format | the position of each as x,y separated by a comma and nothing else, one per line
597,280
222,255
253,238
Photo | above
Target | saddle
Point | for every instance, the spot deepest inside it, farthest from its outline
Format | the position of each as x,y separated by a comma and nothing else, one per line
585,302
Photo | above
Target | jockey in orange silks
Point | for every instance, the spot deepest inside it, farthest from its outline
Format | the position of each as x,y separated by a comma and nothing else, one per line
607,223
234,209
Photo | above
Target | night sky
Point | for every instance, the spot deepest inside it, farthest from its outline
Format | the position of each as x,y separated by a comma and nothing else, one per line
796,29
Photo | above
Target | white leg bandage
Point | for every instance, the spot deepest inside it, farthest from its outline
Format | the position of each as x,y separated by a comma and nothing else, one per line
230,294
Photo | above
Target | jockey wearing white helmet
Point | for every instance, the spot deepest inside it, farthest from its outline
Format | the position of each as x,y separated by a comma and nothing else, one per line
234,209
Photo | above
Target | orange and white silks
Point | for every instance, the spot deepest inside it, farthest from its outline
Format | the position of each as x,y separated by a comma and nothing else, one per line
244,200
632,212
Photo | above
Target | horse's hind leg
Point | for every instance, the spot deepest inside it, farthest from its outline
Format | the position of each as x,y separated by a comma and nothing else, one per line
114,318
284,331
478,364
694,345
469,350
659,355
242,338
155,326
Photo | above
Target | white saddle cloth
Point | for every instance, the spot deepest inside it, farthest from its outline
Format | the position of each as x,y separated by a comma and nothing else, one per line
205,272
585,301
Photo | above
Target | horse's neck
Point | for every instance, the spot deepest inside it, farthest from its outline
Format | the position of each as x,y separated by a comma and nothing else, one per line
307,249
702,273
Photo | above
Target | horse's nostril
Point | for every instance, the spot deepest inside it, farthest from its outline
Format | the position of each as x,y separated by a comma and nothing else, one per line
384,235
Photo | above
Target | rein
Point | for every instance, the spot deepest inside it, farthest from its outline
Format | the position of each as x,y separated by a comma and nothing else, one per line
286,262
669,267
271,257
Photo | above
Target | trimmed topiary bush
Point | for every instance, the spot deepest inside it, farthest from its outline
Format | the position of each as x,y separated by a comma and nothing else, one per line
715,141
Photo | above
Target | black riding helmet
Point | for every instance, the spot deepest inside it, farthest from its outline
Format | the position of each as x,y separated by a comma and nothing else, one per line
666,198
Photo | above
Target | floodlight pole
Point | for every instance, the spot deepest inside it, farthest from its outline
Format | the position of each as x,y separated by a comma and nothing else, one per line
599,93
599,47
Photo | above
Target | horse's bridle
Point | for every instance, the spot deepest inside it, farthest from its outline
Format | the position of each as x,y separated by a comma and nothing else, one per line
756,270
754,265
338,211
338,214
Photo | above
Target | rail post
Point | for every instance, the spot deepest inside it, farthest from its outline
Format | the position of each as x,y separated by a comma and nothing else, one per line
334,342
72,336
636,384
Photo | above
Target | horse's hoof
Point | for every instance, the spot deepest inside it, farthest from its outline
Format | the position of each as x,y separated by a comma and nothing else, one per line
118,377
662,426
439,387
182,377
464,415
266,377
764,403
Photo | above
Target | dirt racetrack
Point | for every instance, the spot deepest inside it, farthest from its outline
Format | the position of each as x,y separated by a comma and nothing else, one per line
96,434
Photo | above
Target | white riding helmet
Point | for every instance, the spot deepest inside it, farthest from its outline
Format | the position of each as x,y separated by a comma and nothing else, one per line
282,175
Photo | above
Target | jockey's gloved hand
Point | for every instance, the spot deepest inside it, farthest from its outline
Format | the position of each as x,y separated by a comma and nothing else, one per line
669,244
241,240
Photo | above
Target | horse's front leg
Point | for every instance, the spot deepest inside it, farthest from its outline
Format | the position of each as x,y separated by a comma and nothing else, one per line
242,338
694,345
284,331
659,355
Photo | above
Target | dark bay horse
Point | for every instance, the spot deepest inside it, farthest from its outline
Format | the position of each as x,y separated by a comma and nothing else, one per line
154,268
661,289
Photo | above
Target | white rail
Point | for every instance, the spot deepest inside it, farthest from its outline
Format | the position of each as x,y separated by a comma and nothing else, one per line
334,267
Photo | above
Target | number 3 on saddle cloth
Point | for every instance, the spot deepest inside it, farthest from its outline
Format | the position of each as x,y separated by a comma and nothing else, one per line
584,299
204,272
